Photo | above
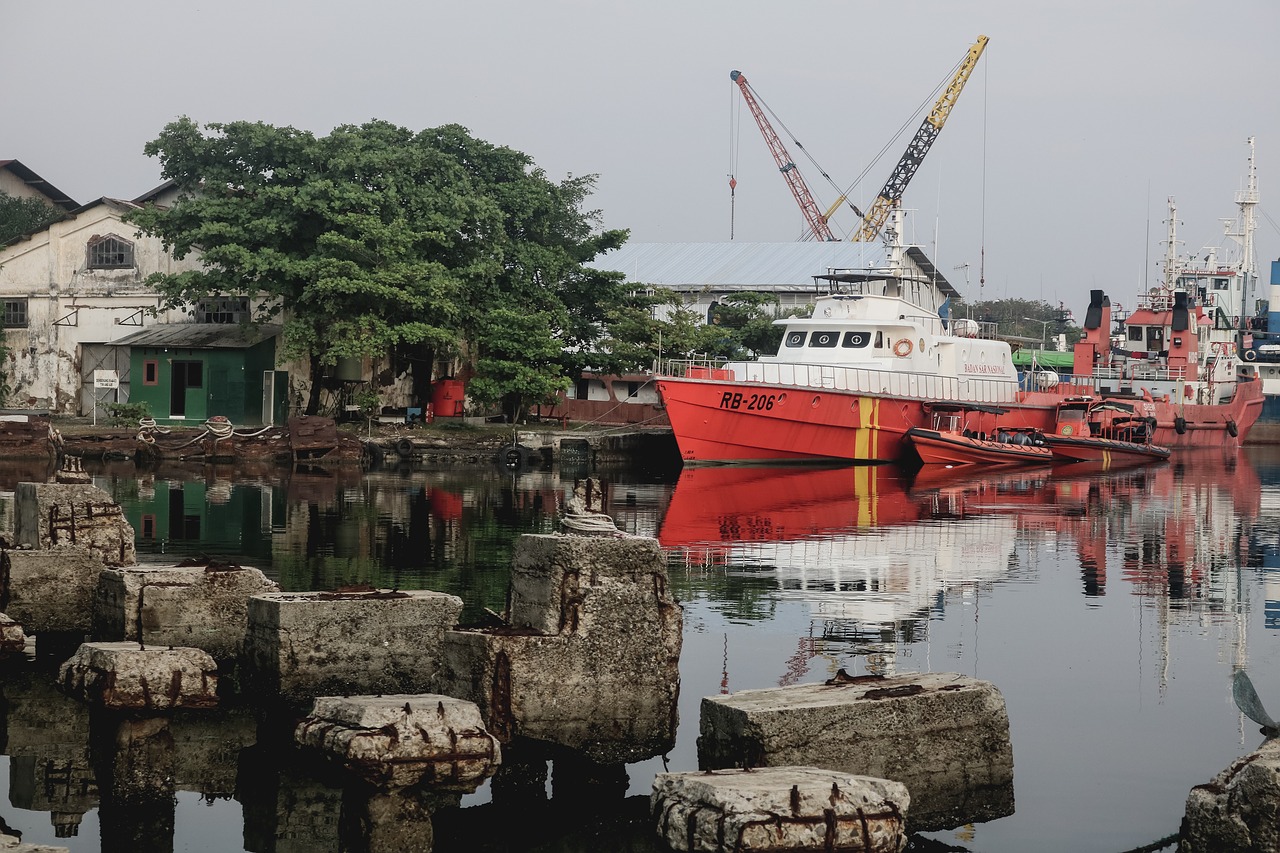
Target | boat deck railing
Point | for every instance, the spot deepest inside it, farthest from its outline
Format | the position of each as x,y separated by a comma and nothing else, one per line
859,380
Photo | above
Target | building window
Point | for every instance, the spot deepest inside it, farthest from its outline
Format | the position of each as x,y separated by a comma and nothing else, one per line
110,253
150,373
15,313
223,309
148,527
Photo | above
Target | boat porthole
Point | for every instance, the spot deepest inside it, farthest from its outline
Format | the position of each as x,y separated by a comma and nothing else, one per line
782,398
922,345
817,398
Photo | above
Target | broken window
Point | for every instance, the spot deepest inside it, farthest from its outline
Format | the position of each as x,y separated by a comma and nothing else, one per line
110,253
223,309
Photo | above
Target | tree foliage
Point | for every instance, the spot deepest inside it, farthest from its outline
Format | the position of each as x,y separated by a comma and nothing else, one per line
20,216
376,239
1030,318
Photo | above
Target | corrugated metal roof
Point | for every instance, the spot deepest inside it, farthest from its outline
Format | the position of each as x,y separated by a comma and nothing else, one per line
199,336
784,266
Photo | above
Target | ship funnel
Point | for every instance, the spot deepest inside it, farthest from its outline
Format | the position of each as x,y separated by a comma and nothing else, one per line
1097,301
1181,319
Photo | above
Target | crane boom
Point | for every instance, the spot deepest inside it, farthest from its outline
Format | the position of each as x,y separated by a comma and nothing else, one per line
799,189
919,146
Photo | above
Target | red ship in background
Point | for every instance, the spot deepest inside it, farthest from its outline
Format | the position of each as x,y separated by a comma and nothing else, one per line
878,351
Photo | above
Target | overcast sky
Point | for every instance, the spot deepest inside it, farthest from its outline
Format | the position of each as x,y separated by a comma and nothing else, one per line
1051,176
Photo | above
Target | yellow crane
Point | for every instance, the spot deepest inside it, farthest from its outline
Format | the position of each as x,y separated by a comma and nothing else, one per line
891,195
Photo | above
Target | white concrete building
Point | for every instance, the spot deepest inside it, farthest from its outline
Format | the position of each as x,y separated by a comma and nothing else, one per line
69,290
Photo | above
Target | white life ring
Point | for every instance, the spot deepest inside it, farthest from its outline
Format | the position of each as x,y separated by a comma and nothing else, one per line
902,348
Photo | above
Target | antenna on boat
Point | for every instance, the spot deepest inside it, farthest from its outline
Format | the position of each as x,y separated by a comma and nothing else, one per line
965,267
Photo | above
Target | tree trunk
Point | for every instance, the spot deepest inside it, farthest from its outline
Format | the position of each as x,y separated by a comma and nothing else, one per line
317,373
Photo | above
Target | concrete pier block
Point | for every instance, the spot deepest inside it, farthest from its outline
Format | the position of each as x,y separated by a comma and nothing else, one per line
50,590
52,515
779,808
308,644
14,844
944,735
575,584
403,740
591,658
123,676
12,639
1239,809
203,607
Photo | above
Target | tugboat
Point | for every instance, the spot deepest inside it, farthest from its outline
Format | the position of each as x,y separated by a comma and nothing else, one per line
850,380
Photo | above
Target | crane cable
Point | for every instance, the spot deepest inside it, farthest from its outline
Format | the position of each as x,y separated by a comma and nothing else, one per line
982,229
911,120
796,142
735,124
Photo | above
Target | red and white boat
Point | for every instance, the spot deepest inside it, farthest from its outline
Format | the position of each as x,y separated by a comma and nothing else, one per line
958,436
1103,431
850,380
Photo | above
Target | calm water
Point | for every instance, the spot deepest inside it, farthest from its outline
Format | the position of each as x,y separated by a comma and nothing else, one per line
1110,609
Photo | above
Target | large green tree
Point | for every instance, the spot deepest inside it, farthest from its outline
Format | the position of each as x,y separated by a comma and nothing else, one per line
379,240
20,216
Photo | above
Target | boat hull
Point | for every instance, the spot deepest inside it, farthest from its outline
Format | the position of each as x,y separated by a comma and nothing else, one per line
727,421
1178,427
938,447
720,420
1105,451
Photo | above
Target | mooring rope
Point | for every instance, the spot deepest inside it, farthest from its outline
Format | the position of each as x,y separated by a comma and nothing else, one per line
578,520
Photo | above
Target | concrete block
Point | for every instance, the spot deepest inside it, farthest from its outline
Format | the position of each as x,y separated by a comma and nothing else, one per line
944,735
52,515
591,658
619,708
779,808
402,740
1239,809
308,644
552,576
123,676
50,590
12,639
14,844
202,607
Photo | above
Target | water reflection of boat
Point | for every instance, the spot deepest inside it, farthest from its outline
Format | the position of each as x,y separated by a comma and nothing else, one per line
718,506
852,543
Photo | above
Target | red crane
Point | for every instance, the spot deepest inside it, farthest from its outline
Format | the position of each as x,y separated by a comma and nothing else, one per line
799,189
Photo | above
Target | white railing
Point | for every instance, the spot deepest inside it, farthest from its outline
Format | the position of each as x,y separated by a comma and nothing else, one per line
858,380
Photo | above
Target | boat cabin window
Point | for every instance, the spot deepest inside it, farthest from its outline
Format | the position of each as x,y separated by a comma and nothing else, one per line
1155,338
823,339
856,340
1219,284
879,340
794,339
1135,333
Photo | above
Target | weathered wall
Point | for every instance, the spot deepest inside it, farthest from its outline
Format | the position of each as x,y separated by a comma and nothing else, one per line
69,304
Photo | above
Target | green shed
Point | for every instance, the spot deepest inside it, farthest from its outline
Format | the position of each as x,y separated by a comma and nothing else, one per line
188,372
